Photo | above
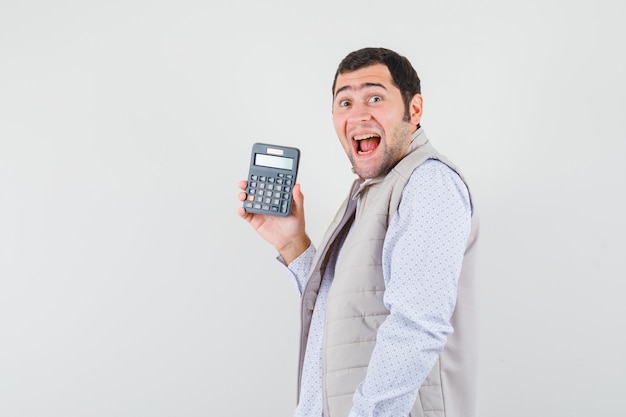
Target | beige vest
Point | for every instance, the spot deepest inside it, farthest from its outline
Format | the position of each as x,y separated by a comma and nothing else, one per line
355,308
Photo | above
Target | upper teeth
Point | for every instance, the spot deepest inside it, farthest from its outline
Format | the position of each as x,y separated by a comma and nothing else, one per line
366,136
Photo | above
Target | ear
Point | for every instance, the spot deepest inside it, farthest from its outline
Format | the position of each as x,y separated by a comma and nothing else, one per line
415,109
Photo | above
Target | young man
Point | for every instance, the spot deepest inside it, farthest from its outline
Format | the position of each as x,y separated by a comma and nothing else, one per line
388,299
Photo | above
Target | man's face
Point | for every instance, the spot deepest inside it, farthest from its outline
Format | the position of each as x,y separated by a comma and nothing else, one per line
369,118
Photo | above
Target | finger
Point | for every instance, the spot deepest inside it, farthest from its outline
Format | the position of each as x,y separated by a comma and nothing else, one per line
243,184
242,196
244,214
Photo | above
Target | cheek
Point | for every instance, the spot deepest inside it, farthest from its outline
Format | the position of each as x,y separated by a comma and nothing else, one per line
390,122
340,130
339,124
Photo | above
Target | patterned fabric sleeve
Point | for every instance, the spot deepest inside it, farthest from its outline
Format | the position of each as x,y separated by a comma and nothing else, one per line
298,270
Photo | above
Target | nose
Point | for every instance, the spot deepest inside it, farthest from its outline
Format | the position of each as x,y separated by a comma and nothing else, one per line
359,113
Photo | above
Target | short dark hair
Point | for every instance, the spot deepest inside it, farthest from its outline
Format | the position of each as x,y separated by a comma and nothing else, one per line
402,72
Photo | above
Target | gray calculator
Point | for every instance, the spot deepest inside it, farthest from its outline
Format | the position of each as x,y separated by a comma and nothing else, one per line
272,175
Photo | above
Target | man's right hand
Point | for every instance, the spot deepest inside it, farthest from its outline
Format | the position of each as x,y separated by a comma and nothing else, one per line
286,234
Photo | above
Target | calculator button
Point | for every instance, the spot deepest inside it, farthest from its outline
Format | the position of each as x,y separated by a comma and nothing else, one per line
289,176
267,200
276,201
254,177
279,181
280,174
288,182
260,192
278,187
271,179
266,207
270,186
248,204
275,209
257,206
258,198
262,178
277,194
287,189
262,185
253,184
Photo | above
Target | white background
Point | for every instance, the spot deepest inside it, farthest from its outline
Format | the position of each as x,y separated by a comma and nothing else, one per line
130,287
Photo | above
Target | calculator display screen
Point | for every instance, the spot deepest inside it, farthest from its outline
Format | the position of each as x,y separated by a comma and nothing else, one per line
273,161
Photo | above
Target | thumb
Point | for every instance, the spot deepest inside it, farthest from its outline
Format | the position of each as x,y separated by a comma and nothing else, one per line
298,200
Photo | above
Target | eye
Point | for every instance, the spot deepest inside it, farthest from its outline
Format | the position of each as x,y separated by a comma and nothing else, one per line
375,99
344,103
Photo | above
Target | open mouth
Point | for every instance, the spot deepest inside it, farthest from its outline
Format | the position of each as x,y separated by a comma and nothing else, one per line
367,143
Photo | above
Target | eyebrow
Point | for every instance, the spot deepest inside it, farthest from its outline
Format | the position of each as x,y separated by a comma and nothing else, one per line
360,87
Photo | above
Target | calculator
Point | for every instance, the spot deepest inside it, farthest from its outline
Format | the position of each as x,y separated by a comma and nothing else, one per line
271,179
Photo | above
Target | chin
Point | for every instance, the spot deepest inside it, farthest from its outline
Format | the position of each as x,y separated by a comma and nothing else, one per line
367,173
